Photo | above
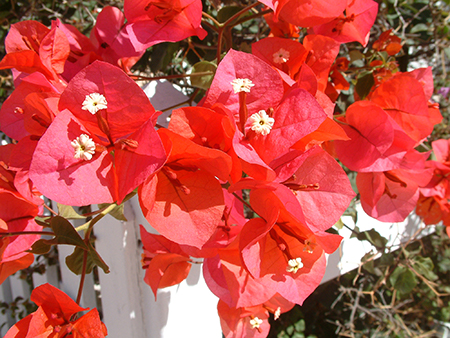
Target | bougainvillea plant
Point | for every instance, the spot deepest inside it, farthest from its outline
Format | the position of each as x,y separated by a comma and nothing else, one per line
250,180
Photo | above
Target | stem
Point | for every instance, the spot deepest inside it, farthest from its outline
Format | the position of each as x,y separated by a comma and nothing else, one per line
50,209
229,24
253,16
352,230
217,23
206,23
219,46
238,14
247,204
88,225
188,101
83,276
18,233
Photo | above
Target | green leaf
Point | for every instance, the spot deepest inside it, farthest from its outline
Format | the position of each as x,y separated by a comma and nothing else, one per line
204,81
386,259
75,260
227,12
43,221
368,264
290,330
65,233
424,266
300,325
162,55
40,247
117,212
373,237
355,232
420,27
364,85
355,55
339,224
403,280
68,212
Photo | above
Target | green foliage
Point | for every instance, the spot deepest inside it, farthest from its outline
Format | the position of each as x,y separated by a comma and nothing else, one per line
89,258
203,82
64,233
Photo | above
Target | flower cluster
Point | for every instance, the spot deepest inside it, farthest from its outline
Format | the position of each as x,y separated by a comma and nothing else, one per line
264,136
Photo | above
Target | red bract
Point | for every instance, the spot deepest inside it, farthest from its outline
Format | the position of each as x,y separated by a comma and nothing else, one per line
391,196
30,108
267,91
284,54
306,13
268,122
338,81
212,128
41,50
20,163
186,191
227,278
156,21
433,205
371,133
433,210
388,42
270,245
82,51
25,35
322,52
297,115
111,39
354,25
16,215
377,142
403,98
123,146
280,28
164,261
319,184
53,317
251,321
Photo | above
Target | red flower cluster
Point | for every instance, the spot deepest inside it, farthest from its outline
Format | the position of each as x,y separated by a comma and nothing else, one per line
56,316
247,180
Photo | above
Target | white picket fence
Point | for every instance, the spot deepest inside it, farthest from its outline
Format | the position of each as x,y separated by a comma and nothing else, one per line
128,306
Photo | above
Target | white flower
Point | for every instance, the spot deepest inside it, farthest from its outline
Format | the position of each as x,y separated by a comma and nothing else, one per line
84,147
255,322
261,123
241,85
294,265
281,56
277,313
94,102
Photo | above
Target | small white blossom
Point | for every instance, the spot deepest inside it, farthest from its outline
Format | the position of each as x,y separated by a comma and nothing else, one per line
255,322
261,123
94,102
294,265
84,147
277,313
242,85
281,56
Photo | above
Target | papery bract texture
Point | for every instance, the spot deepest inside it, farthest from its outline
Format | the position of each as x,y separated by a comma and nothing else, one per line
127,148
154,21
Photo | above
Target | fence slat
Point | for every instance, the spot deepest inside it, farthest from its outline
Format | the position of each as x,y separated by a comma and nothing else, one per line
117,243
